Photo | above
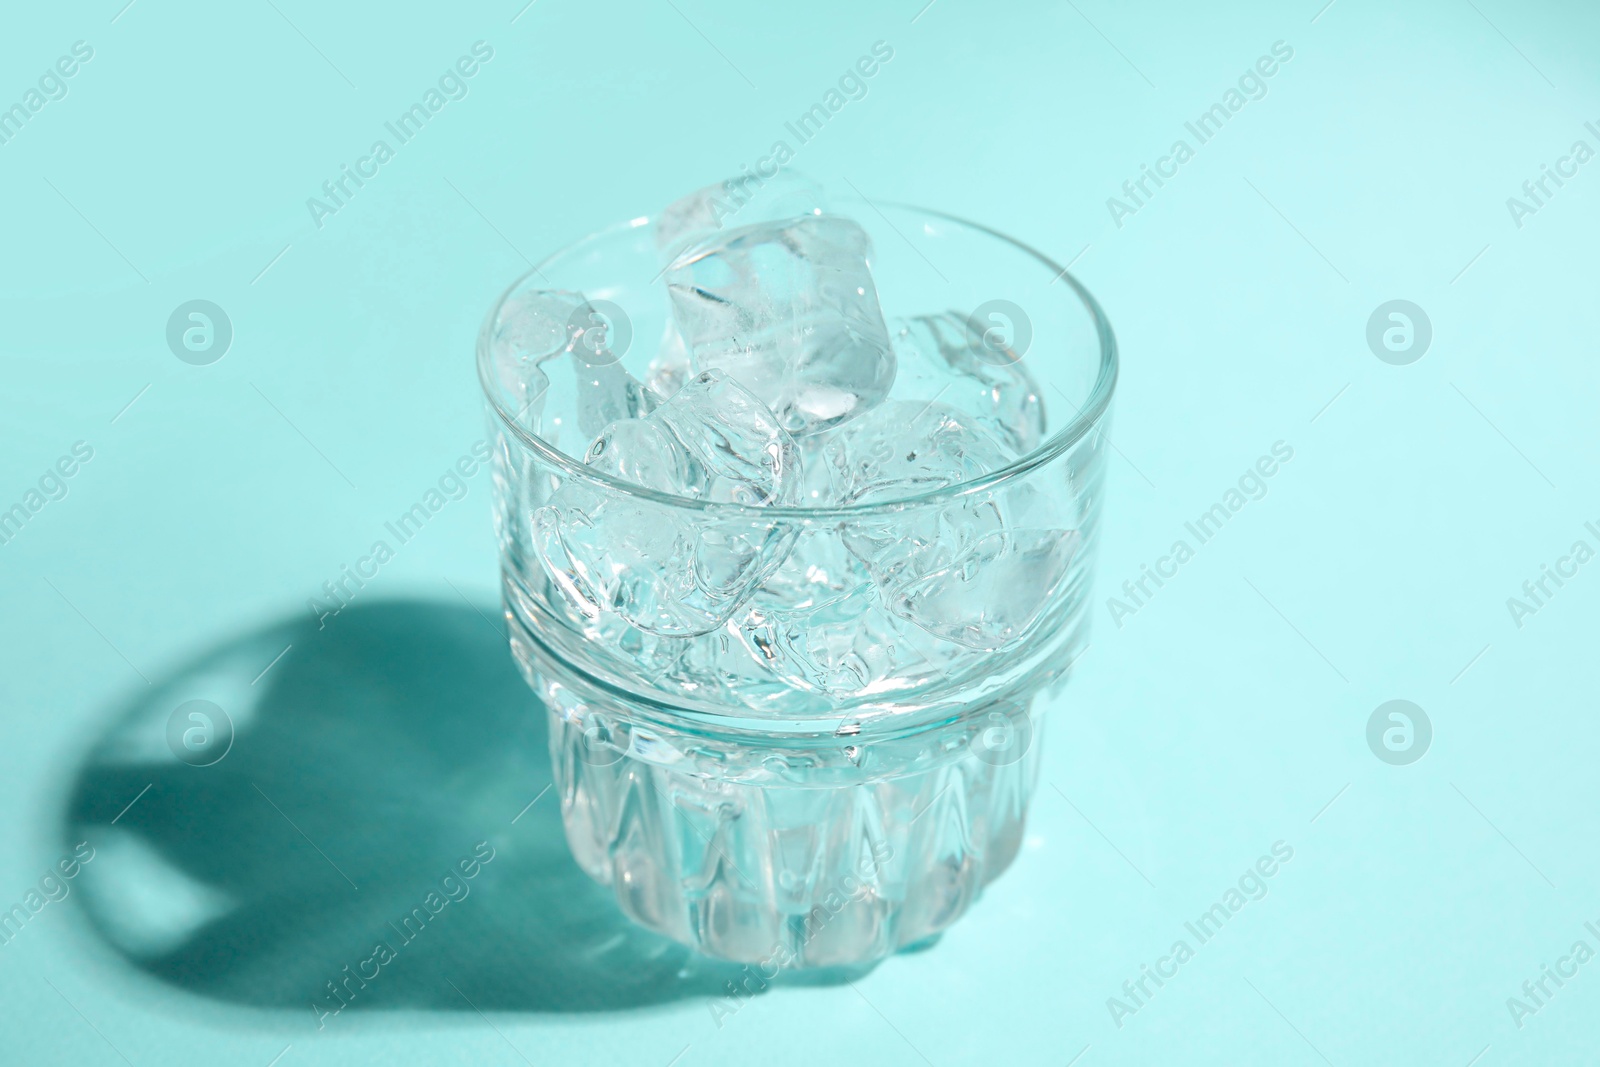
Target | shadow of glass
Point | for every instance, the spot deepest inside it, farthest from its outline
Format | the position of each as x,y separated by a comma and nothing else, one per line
372,767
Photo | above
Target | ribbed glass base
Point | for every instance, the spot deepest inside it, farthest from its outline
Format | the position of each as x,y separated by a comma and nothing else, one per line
775,871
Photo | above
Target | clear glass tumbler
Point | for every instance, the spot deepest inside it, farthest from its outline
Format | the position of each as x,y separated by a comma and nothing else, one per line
772,816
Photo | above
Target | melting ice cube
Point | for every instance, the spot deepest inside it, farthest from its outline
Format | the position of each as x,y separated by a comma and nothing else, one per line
978,570
670,570
939,356
790,311
741,201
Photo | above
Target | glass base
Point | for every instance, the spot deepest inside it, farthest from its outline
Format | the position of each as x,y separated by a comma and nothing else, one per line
776,872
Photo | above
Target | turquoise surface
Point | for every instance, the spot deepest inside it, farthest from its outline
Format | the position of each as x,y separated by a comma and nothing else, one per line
181,513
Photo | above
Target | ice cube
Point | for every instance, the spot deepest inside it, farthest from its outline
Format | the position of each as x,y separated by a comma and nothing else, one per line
818,571
940,356
719,668
791,312
762,653
743,456
642,452
669,369
741,201
606,391
667,570
994,593
978,570
818,625
906,448
827,647
545,331
816,631
532,328
849,645
534,325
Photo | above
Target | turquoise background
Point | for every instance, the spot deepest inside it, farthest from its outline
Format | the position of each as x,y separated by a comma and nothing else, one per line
1229,713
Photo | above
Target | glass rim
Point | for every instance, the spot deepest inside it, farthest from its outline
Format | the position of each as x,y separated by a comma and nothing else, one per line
1090,413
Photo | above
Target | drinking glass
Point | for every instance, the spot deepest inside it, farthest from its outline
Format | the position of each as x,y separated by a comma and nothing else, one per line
762,816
